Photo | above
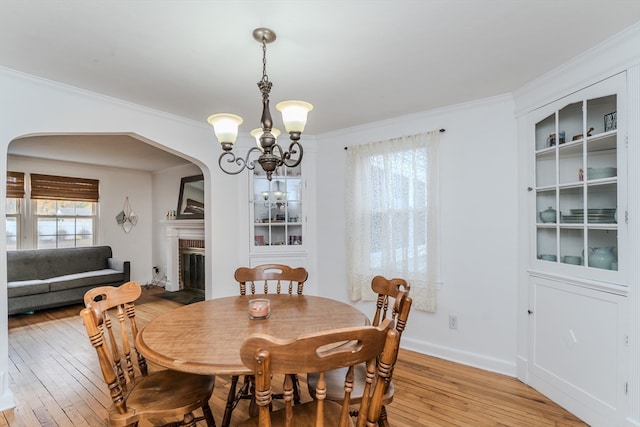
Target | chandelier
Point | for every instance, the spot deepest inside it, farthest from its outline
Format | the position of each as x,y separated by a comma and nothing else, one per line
272,155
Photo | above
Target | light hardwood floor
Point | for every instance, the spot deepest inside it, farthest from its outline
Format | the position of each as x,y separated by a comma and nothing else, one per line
55,380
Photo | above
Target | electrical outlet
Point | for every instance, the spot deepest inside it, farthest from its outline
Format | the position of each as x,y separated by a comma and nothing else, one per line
156,270
453,321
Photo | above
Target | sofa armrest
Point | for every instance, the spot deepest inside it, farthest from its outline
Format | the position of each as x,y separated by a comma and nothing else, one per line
119,265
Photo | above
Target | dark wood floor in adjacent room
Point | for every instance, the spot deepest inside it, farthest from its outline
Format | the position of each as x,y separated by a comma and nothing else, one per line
54,377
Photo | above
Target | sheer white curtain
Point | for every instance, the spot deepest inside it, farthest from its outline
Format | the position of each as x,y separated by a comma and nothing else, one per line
391,198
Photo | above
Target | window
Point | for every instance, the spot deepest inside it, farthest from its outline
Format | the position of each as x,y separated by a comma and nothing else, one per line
391,215
12,221
64,224
64,210
15,194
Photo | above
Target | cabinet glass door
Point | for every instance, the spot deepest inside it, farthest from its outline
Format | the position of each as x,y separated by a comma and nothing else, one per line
277,207
576,184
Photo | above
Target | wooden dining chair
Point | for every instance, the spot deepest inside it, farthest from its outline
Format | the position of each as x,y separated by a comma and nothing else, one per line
387,290
376,347
270,279
161,398
264,279
393,302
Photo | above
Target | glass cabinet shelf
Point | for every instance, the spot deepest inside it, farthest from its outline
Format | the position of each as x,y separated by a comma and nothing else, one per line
277,208
576,184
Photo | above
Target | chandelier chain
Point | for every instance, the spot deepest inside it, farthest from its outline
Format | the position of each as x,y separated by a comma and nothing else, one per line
265,78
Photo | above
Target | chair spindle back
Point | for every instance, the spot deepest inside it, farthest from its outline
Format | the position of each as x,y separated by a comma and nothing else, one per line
321,352
387,290
272,277
115,356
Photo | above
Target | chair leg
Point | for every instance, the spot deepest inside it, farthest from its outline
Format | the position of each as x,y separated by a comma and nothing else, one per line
208,415
233,398
250,390
230,401
296,389
383,421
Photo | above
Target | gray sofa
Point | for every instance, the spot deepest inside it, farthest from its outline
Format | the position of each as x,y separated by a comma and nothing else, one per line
48,278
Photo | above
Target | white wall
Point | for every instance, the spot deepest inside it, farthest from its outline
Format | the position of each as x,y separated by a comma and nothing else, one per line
115,185
478,164
166,188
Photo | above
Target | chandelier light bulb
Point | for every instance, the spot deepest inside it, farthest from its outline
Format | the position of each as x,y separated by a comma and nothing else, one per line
257,133
294,115
225,127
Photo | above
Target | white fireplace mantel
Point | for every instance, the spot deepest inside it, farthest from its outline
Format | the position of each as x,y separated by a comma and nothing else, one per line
177,229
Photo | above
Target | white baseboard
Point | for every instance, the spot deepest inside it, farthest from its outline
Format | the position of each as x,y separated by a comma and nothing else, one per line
476,360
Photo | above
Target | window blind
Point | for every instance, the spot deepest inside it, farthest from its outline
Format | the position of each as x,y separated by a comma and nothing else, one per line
15,185
52,187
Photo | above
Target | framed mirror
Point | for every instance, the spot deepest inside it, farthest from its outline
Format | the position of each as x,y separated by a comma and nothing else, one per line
191,198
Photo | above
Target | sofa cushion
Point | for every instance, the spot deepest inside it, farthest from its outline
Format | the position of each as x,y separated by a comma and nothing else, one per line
21,265
88,278
58,262
27,287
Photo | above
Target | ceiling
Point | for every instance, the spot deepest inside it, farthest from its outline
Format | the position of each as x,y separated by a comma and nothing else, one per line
356,61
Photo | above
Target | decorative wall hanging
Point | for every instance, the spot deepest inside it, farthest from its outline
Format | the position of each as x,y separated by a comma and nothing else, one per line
127,218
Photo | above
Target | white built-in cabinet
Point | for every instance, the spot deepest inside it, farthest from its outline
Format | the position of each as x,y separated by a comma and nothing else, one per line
579,183
278,217
578,253
277,212
577,355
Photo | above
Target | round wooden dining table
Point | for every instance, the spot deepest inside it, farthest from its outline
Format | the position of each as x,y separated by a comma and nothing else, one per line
205,337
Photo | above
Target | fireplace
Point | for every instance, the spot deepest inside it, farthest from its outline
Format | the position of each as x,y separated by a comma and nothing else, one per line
185,254
191,264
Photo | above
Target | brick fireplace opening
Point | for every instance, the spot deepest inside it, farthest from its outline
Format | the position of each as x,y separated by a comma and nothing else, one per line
191,264
185,254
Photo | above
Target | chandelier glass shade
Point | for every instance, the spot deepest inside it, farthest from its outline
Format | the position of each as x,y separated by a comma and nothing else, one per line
271,154
257,133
